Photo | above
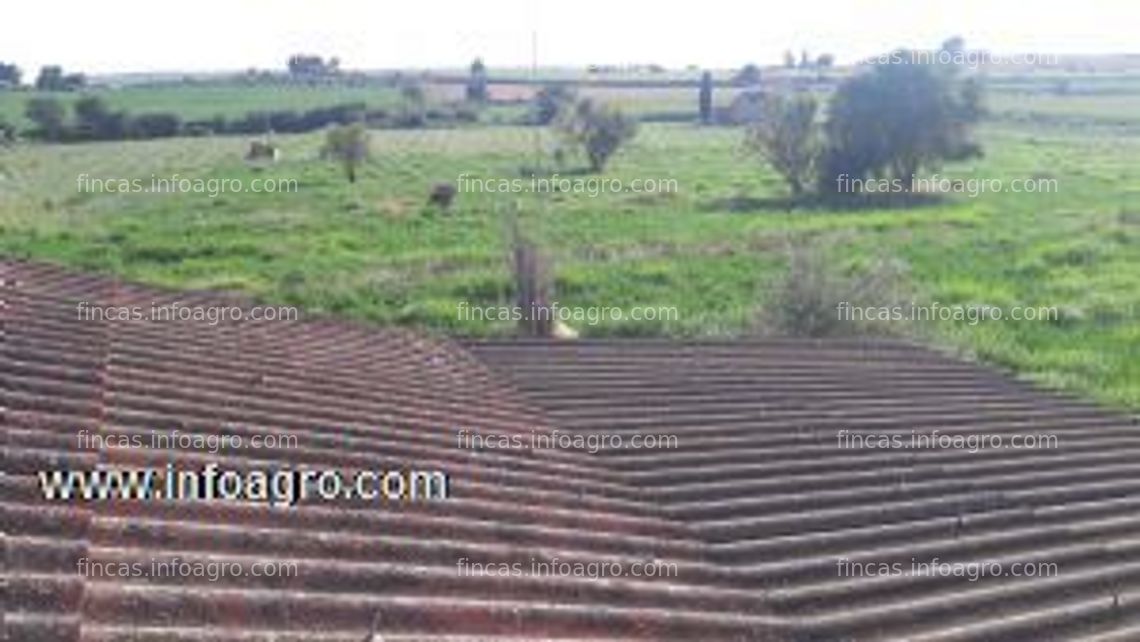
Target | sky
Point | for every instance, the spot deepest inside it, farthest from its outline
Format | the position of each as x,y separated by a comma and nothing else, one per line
212,35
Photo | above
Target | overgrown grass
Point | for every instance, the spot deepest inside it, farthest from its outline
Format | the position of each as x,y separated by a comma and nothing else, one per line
378,251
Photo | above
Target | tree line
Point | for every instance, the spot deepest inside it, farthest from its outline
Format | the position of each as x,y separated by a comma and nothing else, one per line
50,78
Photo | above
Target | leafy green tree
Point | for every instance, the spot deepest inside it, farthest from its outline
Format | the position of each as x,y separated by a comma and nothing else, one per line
52,78
49,116
10,75
899,117
94,120
599,129
748,75
787,136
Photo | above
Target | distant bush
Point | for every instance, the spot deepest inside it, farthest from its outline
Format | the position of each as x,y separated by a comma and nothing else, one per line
348,144
155,125
413,106
10,75
94,120
376,117
198,128
263,151
321,117
549,102
599,129
465,114
52,78
254,122
7,132
809,298
49,117
285,121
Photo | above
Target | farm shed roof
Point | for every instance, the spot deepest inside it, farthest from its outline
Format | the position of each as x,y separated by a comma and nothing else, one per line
751,495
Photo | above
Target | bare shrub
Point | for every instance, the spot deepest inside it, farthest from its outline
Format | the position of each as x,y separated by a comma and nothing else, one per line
808,299
598,129
787,136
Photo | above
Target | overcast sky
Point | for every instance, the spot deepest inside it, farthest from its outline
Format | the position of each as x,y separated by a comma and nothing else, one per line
148,35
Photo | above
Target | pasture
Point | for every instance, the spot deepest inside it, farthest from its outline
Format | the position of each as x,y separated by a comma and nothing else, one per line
377,251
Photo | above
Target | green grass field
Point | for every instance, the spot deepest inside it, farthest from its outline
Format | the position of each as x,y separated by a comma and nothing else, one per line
375,251
204,102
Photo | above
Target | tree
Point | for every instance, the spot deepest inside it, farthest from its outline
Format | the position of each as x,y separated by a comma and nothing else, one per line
7,132
10,75
74,82
805,60
52,78
787,136
94,120
348,144
825,61
789,59
550,101
748,75
705,99
477,82
48,115
897,118
599,129
155,125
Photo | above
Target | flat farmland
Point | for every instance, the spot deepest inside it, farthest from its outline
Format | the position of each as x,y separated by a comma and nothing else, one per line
708,246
